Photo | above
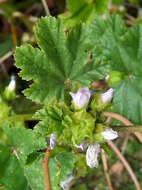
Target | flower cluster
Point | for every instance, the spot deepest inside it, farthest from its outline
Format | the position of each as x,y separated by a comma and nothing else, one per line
80,101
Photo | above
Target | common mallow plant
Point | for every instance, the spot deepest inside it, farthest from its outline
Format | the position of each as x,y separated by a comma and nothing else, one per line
71,126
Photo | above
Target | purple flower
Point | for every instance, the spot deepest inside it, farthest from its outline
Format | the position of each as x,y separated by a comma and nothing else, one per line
81,97
82,146
52,141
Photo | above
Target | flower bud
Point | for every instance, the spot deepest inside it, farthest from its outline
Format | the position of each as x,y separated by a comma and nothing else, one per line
81,97
52,141
12,84
115,78
110,134
9,92
92,155
82,146
107,96
107,78
66,183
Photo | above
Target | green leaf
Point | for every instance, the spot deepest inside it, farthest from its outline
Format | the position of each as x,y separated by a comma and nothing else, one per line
123,50
61,167
26,144
128,99
105,35
128,96
35,65
61,60
82,11
52,40
23,140
11,175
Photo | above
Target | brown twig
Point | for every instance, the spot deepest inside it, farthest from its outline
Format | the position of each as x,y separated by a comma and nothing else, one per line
104,160
124,121
46,169
14,35
125,163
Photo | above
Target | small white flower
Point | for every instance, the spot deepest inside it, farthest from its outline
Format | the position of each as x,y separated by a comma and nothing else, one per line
92,155
82,146
107,96
121,8
110,134
66,183
12,84
107,78
52,141
81,98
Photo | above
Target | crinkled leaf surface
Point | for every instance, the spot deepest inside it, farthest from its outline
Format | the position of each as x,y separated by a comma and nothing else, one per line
61,167
122,48
61,58
128,95
11,173
25,142
30,154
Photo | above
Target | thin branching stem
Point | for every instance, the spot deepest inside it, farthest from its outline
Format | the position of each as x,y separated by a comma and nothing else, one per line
124,144
104,160
125,163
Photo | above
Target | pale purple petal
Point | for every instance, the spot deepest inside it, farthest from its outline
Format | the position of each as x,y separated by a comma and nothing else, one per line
107,96
52,141
82,146
110,134
81,97
92,155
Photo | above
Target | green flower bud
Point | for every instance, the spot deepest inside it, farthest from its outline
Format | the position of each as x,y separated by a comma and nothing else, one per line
101,101
114,78
9,92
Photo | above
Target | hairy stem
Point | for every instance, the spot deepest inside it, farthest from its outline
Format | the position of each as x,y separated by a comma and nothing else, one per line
46,169
125,163
124,121
104,160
